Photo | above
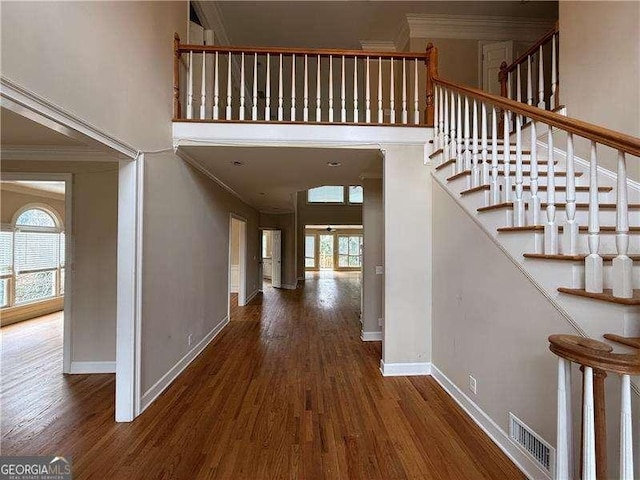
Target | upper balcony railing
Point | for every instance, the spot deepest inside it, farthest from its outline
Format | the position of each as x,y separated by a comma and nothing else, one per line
256,84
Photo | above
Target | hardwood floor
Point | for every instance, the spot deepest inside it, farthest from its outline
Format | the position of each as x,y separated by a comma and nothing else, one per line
287,390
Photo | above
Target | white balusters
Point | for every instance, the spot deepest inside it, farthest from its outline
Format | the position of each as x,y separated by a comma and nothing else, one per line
404,97
293,88
529,82
190,88
440,106
330,88
551,227
518,202
305,100
242,107
626,430
467,136
494,191
593,269
534,200
459,159
445,138
254,107
343,111
570,231
483,146
216,92
506,156
392,94
436,123
280,93
355,90
380,110
267,96
367,101
229,90
588,428
318,96
475,169
622,264
416,111
553,101
519,87
540,78
203,88
564,449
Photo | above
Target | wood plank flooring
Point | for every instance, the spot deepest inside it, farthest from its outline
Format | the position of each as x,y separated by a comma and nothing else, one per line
287,390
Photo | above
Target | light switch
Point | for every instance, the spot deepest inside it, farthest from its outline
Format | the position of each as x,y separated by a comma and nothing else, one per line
379,269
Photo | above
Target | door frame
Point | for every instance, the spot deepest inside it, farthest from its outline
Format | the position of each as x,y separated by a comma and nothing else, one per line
481,44
242,265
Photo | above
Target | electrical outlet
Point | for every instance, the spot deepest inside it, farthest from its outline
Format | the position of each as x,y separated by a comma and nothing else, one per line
379,269
380,320
189,339
473,384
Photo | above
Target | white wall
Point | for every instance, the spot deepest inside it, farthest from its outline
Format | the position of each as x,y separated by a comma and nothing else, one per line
373,254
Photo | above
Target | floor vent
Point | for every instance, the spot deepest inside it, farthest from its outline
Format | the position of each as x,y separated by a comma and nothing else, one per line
532,443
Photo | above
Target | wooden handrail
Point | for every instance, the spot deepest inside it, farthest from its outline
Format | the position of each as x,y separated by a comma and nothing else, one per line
604,136
323,52
533,48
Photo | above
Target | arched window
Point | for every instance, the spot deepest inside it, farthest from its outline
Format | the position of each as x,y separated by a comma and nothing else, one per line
32,257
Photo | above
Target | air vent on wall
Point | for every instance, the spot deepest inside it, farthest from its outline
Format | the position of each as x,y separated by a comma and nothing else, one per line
543,453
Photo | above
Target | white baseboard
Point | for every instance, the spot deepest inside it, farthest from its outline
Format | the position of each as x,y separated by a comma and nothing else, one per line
252,296
92,367
499,436
404,369
167,379
370,336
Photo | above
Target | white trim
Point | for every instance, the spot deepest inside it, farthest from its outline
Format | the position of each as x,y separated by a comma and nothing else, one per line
92,367
252,296
167,379
57,154
41,110
477,27
404,369
50,210
242,257
370,336
234,273
486,423
379,45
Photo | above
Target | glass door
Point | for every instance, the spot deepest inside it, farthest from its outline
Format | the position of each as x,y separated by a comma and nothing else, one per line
326,252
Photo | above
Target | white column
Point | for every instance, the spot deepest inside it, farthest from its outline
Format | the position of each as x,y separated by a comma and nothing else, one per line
267,103
305,100
518,202
622,264
367,114
564,451
203,88
404,97
588,428
551,227
318,96
626,430
229,91
534,200
190,88
495,187
280,93
593,269
293,88
540,79
216,92
330,88
356,113
570,231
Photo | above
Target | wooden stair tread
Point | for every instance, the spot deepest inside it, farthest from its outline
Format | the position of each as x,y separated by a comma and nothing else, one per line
525,161
499,206
581,229
436,153
585,206
512,173
475,189
562,188
607,257
606,295
446,164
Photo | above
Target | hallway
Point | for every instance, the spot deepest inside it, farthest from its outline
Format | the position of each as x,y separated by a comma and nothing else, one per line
287,390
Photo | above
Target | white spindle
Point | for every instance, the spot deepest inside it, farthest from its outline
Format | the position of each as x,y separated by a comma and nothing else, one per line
529,82
436,122
588,428
626,430
553,101
356,113
540,78
564,452
280,93
570,231
467,135
254,107
459,158
495,187
367,114
203,88
216,92
380,110
446,138
267,96
343,99
593,269
506,156
330,88
318,96
293,88
622,264
190,88
519,87
452,134
551,227
392,94
518,202
440,106
242,108
229,91
305,99
475,169
416,107
534,200
404,96
483,146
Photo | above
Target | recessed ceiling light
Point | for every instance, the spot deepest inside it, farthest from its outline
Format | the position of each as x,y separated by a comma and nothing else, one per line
334,164
237,163
261,193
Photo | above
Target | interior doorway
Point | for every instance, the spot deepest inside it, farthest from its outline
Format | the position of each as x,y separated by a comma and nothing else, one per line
237,261
325,252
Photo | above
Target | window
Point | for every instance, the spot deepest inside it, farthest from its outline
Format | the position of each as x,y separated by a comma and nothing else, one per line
355,194
326,194
31,259
349,247
310,251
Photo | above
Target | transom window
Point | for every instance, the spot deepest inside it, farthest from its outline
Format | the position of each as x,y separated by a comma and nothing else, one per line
335,194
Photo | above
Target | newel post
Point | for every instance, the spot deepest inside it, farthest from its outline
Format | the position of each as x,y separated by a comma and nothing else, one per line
176,77
431,60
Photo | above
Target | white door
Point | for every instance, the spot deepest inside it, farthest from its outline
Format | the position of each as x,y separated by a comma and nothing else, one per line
493,54
276,258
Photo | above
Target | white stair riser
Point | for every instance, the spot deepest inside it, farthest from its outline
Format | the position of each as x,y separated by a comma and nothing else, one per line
569,274
504,217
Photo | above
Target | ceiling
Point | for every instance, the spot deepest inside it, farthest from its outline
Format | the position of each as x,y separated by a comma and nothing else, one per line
270,176
343,24
49,188
16,129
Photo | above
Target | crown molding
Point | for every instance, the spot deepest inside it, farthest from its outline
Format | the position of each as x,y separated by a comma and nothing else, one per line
57,153
477,27
27,190
379,45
